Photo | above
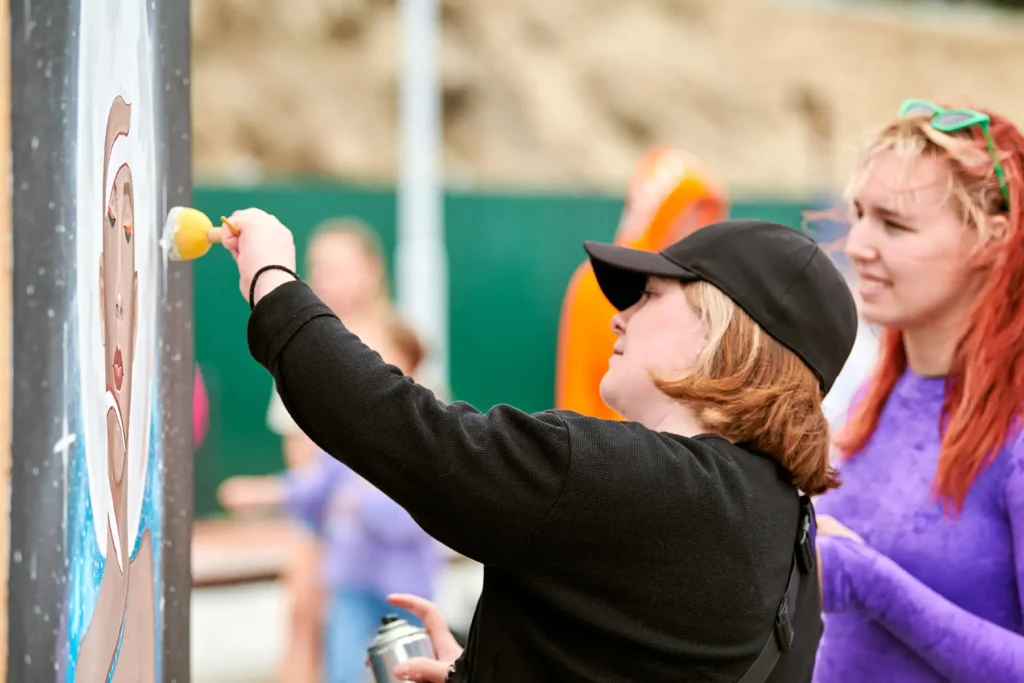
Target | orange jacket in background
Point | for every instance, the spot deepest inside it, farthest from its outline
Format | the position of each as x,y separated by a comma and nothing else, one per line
670,195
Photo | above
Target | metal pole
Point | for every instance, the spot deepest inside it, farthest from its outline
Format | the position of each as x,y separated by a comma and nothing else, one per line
421,261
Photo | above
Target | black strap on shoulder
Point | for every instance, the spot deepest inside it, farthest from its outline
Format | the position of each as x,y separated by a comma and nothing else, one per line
781,638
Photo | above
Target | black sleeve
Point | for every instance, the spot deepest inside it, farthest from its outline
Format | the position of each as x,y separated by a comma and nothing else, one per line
481,483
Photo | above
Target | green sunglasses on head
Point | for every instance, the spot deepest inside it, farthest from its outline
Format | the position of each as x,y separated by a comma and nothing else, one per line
953,120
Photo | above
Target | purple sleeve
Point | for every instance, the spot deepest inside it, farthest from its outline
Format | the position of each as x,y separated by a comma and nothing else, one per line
386,520
959,645
308,489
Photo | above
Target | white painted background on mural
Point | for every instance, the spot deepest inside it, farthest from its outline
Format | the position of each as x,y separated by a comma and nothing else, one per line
116,57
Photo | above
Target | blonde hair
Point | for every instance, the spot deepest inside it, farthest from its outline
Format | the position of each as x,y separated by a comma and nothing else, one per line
752,390
972,184
357,227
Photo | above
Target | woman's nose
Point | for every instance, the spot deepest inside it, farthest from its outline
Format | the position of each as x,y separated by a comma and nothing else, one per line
858,247
618,324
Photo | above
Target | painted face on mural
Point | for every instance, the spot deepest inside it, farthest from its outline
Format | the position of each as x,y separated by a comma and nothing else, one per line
118,280
114,621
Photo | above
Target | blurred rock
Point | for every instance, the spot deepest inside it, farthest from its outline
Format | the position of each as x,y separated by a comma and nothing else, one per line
773,94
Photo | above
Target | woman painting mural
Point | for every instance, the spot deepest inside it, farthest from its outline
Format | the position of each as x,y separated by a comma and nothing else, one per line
672,546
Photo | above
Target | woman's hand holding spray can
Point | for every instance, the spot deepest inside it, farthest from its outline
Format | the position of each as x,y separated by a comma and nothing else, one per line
403,652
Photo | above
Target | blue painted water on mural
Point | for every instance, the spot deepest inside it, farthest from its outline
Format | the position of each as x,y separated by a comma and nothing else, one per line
85,562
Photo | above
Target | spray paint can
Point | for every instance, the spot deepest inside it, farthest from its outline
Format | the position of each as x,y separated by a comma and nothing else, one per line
397,641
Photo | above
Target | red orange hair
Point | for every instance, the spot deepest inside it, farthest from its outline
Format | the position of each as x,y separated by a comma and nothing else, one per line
985,384
749,388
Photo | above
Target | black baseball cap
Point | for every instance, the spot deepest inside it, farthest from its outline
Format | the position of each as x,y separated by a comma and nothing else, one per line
779,276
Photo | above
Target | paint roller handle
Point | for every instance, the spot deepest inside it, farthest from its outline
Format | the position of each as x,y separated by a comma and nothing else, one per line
216,235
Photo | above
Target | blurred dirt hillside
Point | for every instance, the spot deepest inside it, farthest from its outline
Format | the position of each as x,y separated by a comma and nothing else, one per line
774,94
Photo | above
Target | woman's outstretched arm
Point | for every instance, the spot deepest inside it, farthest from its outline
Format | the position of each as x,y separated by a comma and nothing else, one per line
481,483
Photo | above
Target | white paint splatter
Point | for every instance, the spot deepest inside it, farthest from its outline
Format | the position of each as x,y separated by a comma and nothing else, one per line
65,441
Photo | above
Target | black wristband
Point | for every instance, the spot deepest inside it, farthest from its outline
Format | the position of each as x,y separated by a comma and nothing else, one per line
252,286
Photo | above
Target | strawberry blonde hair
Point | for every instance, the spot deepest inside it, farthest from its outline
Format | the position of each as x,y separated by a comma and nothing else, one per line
752,390
985,384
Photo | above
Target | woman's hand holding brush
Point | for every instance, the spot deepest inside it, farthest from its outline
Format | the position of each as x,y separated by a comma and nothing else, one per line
264,246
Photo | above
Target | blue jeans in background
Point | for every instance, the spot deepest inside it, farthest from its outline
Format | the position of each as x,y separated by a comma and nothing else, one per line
354,617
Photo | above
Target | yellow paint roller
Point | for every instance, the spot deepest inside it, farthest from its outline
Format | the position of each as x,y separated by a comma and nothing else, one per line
189,233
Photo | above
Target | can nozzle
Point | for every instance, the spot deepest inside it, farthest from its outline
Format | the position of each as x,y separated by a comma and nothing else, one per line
388,619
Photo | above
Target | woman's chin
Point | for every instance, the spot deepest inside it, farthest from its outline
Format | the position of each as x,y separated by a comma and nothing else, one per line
607,390
881,313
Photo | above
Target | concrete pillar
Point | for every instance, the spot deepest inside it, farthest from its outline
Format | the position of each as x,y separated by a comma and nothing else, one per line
101,477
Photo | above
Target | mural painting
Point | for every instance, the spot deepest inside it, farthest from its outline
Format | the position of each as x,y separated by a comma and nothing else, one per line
114,516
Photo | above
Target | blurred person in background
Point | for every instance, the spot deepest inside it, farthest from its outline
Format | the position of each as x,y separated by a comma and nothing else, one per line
670,195
671,546
922,549
371,546
345,266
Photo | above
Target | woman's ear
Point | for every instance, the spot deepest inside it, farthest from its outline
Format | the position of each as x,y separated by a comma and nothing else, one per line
991,238
998,229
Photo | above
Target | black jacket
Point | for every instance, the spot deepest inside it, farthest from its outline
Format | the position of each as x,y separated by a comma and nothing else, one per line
612,552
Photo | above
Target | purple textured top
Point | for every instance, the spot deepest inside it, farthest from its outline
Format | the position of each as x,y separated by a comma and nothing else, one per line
930,597
370,542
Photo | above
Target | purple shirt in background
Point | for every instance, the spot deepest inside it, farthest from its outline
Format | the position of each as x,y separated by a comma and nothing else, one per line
930,597
369,541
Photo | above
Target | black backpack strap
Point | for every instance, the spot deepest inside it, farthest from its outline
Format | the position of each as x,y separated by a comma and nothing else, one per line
781,638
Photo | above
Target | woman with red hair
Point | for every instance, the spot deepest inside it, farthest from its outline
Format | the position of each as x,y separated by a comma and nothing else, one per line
922,549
